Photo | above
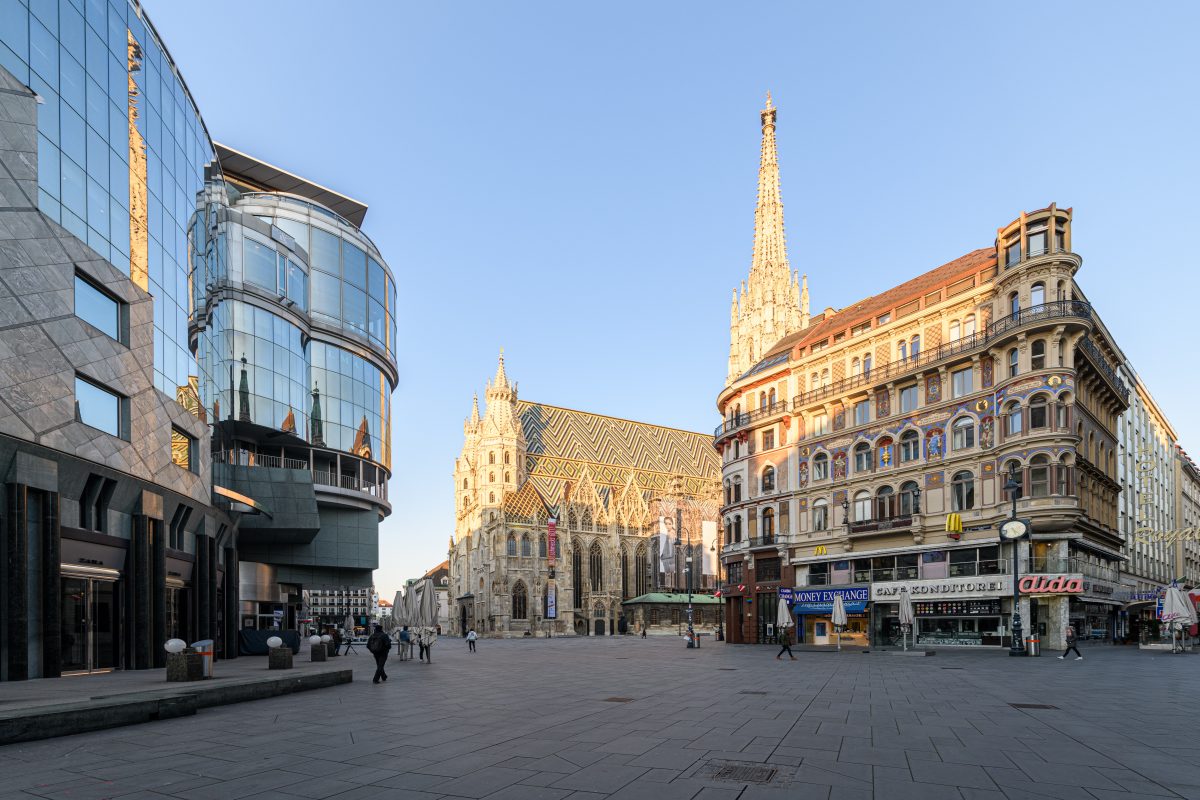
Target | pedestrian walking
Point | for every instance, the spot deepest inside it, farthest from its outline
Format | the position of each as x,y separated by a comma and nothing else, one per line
378,645
471,637
425,641
643,630
1072,644
405,644
785,644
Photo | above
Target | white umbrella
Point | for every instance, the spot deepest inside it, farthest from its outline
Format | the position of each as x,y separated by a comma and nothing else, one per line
1177,609
839,617
906,617
783,619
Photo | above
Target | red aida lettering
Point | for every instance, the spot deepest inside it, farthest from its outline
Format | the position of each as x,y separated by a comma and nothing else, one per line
1060,584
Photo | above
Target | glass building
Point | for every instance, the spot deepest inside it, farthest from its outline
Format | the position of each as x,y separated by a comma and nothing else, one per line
214,438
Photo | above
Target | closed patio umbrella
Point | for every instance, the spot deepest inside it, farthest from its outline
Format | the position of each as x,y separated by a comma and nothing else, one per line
783,619
1178,611
839,617
906,617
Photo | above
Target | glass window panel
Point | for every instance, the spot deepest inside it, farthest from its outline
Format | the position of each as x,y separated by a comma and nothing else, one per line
297,285
326,293
295,229
43,52
377,287
377,321
354,266
354,308
258,263
73,136
97,308
97,407
324,253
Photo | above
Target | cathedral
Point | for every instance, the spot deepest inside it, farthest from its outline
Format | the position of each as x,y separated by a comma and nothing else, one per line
563,515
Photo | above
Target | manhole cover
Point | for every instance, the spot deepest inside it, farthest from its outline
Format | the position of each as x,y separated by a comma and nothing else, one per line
753,692
1034,705
744,773
618,700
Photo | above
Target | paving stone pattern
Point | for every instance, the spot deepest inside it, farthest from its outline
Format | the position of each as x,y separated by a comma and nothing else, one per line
537,720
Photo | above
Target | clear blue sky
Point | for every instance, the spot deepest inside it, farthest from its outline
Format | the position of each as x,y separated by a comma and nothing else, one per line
575,182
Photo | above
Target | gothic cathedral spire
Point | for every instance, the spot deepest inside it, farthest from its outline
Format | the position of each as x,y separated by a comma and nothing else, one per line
772,303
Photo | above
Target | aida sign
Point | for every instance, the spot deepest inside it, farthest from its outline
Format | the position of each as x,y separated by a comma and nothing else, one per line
1051,584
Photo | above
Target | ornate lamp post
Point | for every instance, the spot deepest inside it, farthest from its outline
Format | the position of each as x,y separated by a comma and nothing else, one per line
1013,531
720,594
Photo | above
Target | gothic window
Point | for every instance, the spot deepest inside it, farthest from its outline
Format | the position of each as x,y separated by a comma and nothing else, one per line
512,545
624,574
491,477
862,458
577,573
910,446
526,552
542,546
491,458
491,497
508,477
768,479
507,458
962,491
641,571
464,483
572,520
587,519
464,502
520,601
596,567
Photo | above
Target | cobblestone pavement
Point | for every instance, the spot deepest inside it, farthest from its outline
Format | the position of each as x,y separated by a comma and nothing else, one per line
631,718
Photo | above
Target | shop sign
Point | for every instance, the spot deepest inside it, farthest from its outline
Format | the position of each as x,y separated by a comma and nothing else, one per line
785,593
1097,587
943,588
1051,584
820,601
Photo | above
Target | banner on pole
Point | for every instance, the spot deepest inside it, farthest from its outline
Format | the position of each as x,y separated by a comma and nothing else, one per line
551,540
551,601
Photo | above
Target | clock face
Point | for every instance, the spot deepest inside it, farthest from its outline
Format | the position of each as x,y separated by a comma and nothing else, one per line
1013,529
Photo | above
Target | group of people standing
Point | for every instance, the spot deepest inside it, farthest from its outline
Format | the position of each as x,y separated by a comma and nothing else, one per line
379,644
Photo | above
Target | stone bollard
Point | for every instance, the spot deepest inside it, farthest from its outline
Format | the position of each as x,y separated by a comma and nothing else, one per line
185,666
317,652
279,658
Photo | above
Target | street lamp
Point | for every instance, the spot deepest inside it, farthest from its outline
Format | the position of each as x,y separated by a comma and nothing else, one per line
846,512
720,594
1013,530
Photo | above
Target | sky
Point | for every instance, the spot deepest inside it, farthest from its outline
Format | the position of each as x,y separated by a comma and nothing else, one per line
575,182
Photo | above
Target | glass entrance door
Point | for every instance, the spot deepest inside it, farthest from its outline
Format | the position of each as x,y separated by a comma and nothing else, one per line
88,624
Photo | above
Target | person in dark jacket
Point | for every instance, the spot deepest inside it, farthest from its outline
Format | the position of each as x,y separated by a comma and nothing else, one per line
785,644
1072,644
378,645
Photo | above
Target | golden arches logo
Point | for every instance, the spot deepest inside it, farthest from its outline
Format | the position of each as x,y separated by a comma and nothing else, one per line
820,550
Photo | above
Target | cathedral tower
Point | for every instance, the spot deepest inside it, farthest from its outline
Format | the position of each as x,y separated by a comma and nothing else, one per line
773,302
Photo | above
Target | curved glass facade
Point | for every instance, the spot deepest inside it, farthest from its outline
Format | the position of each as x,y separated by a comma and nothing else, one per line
356,403
121,148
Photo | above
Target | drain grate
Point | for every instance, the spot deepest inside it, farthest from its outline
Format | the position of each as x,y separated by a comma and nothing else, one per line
744,773
617,700
753,692
1034,705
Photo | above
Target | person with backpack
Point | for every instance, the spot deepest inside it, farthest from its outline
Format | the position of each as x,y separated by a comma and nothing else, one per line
1072,644
405,644
471,637
378,645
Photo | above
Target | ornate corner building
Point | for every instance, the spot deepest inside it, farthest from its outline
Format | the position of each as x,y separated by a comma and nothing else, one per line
563,515
867,450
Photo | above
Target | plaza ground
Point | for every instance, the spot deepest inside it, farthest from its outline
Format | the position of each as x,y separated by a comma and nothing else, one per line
632,718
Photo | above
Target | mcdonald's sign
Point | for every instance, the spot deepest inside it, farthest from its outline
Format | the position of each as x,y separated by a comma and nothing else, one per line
954,525
820,550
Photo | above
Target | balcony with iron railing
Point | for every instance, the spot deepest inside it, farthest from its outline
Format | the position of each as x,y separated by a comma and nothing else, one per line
1053,565
1093,353
771,540
1059,309
881,524
909,573
742,420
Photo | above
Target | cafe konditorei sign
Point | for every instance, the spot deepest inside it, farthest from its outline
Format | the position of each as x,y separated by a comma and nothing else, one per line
943,588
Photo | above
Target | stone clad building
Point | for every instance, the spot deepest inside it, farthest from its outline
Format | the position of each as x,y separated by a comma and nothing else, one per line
614,490
869,451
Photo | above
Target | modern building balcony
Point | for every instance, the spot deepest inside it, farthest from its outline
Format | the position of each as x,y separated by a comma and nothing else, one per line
1057,310
758,415
1069,566
323,478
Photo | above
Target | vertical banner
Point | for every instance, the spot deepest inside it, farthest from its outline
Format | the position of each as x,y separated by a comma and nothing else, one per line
551,601
551,540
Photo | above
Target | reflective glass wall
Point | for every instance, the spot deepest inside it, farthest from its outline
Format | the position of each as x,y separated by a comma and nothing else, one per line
121,147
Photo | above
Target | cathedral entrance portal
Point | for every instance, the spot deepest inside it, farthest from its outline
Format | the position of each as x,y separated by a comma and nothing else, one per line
599,627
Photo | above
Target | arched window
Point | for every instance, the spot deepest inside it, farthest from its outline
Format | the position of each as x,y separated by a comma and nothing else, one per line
520,601
526,547
728,492
768,524
762,399
464,483
1037,354
962,491
855,365
885,502
771,398
816,380
862,506
862,458
954,331
962,436
1039,412
491,458
596,565
641,571
1062,290
491,497
506,458
820,468
1037,295
737,489
866,366
512,545
908,498
737,528
464,502
1014,364
542,546
902,351
768,479
1039,476
1014,304
968,328
1060,478
577,573
508,477
820,515
624,574
824,377
1014,419
914,347
491,477
728,531
910,446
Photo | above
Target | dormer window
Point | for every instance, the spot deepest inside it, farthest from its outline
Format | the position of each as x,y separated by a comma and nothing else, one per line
1012,253
1036,241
